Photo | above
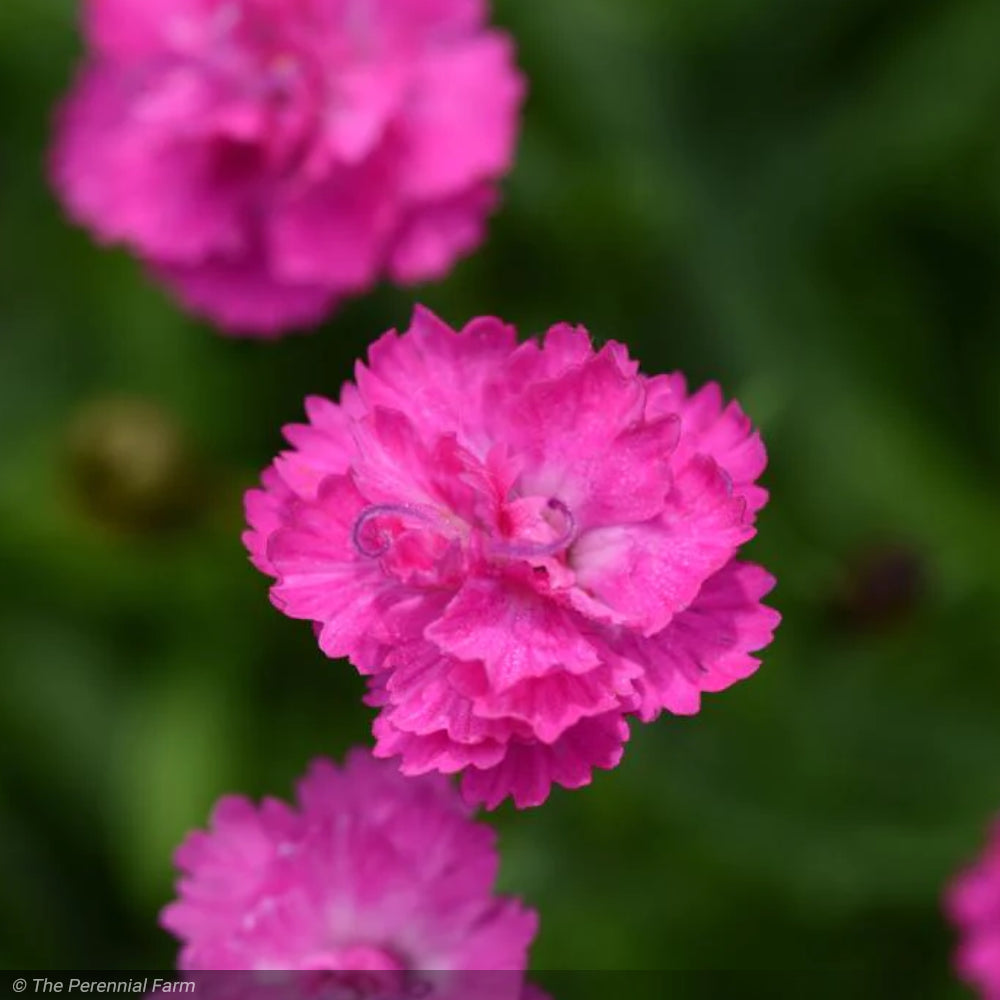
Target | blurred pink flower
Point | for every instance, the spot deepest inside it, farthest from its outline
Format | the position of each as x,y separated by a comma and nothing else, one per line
373,872
973,903
268,158
521,546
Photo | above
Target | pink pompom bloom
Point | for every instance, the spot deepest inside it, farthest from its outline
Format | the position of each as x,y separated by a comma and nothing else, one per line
521,546
973,903
268,158
372,872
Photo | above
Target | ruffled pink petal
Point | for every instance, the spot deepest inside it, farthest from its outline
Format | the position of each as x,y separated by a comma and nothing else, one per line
265,510
705,648
368,98
333,233
450,368
321,575
225,871
631,481
438,21
461,124
500,942
397,467
711,427
582,411
435,788
646,573
528,770
441,484
322,447
242,297
549,706
515,633
420,698
730,598
426,694
563,347
127,29
423,752
432,237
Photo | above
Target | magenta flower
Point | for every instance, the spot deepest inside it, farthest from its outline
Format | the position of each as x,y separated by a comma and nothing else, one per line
268,158
373,872
520,546
973,903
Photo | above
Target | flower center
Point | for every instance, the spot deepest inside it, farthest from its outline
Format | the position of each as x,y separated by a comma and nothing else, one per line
548,529
531,549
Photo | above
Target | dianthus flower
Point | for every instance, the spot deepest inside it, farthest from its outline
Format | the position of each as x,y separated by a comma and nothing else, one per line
973,903
373,872
520,546
268,158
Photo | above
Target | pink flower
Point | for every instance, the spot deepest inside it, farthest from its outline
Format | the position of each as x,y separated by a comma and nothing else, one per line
373,872
520,546
973,903
268,158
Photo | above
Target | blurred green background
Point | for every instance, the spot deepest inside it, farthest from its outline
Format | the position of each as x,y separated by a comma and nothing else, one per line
801,200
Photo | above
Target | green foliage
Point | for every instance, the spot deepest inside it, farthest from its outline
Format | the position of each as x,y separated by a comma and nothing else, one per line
799,200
